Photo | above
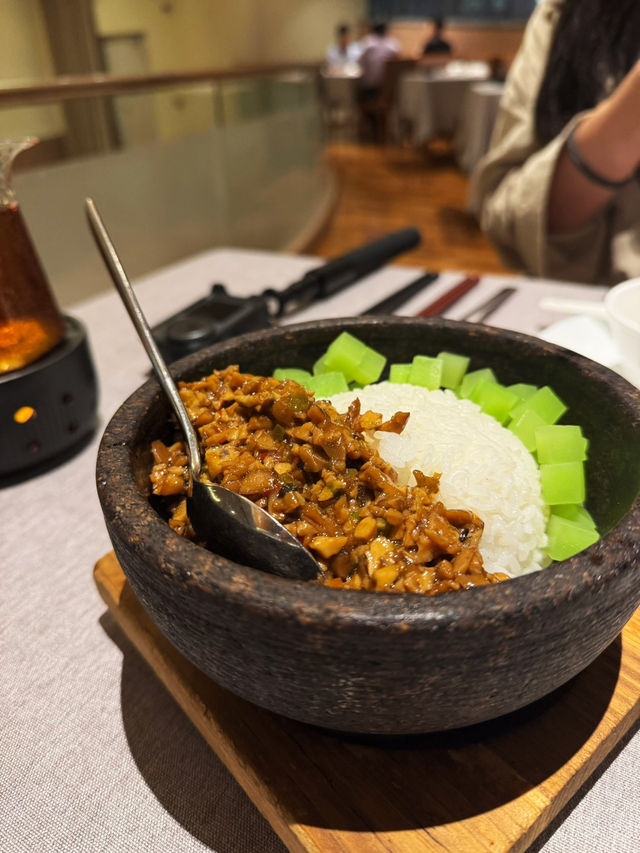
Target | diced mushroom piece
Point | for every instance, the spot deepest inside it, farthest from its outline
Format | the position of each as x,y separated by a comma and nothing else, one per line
370,420
366,529
385,576
396,423
328,546
257,481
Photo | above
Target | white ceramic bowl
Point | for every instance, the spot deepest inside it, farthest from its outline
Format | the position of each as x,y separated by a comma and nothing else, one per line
622,304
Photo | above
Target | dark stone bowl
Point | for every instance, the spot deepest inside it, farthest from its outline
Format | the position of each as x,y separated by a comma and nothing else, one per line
374,662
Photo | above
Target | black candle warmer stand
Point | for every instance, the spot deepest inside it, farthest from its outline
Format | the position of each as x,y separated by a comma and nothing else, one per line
48,408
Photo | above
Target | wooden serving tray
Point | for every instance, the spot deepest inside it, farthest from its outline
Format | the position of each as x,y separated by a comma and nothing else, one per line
493,787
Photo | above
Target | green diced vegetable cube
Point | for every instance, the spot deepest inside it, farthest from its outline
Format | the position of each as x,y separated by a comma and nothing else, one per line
566,538
562,483
558,443
370,367
525,428
523,390
399,373
296,374
576,514
327,384
344,354
426,372
320,366
544,402
454,367
470,381
494,399
354,359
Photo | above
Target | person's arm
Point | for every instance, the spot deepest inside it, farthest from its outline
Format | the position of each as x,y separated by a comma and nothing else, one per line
511,187
608,141
507,188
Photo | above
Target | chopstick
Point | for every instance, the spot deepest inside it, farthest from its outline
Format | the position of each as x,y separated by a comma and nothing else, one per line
442,303
482,312
397,300
478,314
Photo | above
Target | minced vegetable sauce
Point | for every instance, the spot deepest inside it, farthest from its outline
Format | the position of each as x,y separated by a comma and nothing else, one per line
312,469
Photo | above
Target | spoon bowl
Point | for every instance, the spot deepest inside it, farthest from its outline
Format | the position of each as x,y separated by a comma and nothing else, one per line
228,523
233,526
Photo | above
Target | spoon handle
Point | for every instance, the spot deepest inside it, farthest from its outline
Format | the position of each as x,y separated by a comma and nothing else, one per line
573,306
124,288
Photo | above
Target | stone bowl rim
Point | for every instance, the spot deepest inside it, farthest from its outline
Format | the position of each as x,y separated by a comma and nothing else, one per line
177,559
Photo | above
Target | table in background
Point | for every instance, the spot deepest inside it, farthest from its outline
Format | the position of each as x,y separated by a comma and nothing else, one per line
431,101
96,756
339,97
478,116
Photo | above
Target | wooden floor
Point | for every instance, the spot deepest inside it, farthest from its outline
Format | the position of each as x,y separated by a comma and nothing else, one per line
384,188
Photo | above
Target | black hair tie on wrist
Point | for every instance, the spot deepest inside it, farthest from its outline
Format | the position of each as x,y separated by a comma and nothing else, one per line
587,171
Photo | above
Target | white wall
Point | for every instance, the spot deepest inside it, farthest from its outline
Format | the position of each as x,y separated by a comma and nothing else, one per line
25,55
220,33
188,34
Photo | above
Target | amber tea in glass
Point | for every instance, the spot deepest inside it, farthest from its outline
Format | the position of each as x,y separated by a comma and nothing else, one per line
30,321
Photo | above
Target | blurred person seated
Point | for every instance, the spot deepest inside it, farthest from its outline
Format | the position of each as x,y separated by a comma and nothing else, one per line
559,191
377,49
342,56
497,69
436,44
363,29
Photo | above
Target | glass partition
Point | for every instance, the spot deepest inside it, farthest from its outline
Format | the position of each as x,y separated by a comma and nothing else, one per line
174,171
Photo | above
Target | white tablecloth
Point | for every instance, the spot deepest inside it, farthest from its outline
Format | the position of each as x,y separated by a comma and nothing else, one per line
431,101
473,134
95,755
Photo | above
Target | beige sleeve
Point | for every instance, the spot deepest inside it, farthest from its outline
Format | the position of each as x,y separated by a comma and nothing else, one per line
510,186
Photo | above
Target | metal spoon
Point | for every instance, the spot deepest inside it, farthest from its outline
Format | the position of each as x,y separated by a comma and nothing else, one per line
228,523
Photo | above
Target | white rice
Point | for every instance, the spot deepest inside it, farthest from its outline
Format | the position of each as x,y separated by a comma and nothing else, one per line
484,467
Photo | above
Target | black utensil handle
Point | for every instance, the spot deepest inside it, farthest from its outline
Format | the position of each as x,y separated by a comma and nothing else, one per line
400,297
359,262
330,278
481,313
